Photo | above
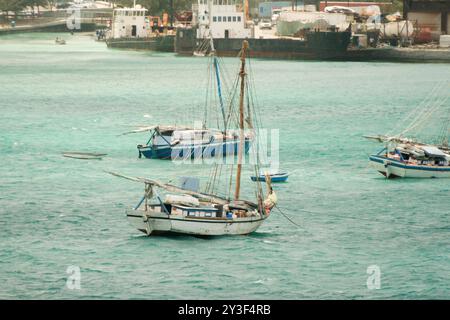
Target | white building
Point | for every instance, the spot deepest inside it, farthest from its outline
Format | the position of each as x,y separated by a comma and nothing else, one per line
130,23
221,19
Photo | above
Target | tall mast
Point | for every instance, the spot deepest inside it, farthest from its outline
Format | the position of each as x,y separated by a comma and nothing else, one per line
241,120
219,84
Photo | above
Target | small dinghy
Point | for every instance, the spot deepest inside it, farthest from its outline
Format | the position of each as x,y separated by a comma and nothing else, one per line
60,41
84,155
274,176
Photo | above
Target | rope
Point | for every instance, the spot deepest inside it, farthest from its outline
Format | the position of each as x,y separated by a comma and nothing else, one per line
287,217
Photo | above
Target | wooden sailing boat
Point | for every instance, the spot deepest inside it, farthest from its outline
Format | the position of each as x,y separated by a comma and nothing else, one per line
181,142
408,156
188,211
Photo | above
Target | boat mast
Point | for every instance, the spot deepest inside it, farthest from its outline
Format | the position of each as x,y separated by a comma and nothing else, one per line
219,84
241,120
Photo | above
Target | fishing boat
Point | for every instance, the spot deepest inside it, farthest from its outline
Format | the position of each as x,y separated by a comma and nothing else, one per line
181,142
84,155
185,210
408,159
177,142
274,176
419,151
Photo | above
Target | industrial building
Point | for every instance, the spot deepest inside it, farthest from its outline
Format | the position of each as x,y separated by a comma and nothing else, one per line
433,15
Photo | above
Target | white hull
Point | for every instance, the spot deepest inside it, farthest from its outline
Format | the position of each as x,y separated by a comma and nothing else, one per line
150,222
393,168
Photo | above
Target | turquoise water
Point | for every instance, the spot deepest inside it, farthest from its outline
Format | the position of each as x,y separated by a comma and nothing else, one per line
57,212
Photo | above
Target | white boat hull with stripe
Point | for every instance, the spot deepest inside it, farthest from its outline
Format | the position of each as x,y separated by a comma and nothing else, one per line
393,168
157,222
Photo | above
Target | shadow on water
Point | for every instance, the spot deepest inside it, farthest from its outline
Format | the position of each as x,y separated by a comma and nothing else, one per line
184,237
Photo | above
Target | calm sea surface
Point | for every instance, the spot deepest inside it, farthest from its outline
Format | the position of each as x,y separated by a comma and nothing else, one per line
57,212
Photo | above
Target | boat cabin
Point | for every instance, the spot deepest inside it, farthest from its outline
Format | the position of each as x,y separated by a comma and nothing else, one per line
419,155
130,23
220,19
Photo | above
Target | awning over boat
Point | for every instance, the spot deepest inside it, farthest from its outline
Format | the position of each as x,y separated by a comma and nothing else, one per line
432,151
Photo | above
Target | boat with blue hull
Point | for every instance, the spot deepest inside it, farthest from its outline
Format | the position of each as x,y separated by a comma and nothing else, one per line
421,150
193,151
274,177
184,142
407,161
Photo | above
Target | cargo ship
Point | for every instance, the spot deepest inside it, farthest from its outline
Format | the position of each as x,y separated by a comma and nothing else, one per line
131,29
227,24
302,34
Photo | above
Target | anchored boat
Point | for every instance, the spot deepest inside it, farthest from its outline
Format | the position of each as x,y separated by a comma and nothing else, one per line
274,176
182,142
408,156
175,142
185,210
411,160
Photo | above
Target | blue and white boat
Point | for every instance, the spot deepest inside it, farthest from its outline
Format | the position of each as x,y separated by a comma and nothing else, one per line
170,142
183,142
274,176
410,160
421,150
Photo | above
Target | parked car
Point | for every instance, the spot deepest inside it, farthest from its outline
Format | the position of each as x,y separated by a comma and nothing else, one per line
265,24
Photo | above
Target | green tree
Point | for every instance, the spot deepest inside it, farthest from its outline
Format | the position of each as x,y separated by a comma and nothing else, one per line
12,6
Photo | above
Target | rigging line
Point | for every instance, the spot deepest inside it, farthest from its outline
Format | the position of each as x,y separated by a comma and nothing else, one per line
365,219
231,181
422,122
217,177
423,117
430,101
214,178
219,89
287,217
418,110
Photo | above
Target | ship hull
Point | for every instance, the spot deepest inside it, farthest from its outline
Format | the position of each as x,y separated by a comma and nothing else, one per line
150,222
159,43
193,151
391,168
317,45
393,54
